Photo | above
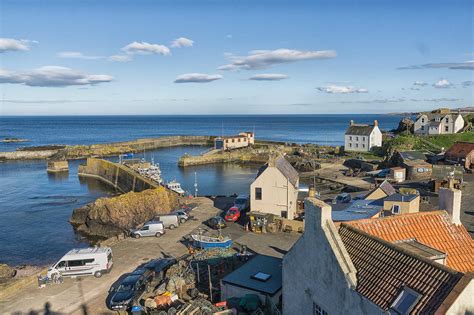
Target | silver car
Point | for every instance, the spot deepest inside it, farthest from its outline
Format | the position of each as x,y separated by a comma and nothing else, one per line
152,228
182,215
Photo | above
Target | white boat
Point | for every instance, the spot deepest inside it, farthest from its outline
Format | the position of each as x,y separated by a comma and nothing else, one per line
176,187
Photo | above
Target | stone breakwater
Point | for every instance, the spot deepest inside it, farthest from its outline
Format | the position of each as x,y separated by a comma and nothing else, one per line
108,149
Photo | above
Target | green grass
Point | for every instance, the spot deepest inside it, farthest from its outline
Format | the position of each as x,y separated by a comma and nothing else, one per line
446,141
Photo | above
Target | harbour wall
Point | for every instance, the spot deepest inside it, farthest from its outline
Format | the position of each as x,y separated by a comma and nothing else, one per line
116,175
106,149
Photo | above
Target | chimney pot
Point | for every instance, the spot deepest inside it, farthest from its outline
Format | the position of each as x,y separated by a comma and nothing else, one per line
376,123
351,122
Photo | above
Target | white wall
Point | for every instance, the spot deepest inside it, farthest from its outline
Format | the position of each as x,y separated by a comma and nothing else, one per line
464,303
458,124
356,143
376,137
317,270
278,194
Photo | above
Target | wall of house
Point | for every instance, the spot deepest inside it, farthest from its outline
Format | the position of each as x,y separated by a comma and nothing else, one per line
329,279
458,124
464,302
405,207
376,138
229,290
356,143
422,121
413,171
234,143
277,193
376,194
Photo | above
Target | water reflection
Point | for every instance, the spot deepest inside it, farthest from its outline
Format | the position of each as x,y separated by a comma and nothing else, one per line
58,176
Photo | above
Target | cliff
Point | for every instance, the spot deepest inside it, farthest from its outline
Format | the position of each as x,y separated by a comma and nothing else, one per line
108,217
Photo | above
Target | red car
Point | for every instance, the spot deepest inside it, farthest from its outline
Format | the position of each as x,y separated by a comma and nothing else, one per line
233,214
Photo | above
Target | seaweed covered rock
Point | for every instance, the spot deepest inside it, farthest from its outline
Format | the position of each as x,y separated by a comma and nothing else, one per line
107,217
6,272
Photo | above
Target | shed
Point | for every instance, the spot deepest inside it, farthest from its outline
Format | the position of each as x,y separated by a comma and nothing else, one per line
398,174
262,275
461,153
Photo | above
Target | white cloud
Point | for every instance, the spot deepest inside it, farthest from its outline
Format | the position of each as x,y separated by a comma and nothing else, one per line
120,58
197,78
442,84
466,65
144,48
182,42
10,44
420,83
52,76
337,89
261,59
268,77
76,55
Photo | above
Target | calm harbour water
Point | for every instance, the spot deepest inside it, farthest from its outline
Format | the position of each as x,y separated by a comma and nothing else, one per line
35,207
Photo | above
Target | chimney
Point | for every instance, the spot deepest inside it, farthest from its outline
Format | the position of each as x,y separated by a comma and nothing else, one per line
351,122
317,213
376,123
450,200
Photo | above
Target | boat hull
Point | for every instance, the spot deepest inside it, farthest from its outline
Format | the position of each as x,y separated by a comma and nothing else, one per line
199,243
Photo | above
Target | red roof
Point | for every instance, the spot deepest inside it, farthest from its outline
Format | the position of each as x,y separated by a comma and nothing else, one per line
433,228
460,149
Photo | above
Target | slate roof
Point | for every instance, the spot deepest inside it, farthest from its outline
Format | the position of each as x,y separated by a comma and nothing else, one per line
401,197
387,188
383,269
460,150
242,277
356,210
284,167
413,155
433,228
359,130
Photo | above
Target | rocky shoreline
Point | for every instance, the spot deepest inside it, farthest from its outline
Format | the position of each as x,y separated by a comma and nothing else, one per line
110,217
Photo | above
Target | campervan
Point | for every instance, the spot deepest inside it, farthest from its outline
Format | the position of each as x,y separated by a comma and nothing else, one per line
83,262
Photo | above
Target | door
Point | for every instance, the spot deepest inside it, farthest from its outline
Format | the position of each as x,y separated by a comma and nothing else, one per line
62,267
145,231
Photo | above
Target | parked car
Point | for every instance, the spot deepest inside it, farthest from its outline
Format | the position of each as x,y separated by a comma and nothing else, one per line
127,293
232,215
216,223
152,228
242,202
159,267
182,215
342,198
147,274
83,262
170,221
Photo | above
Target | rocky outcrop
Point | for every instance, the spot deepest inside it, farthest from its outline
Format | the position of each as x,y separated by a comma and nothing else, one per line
6,273
406,124
108,217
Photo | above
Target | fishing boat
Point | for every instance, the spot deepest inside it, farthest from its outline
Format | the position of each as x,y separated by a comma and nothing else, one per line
203,241
176,187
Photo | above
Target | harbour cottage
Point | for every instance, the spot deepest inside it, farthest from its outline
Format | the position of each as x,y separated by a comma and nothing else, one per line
362,138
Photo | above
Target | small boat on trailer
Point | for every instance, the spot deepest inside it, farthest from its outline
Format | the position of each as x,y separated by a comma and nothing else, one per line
203,241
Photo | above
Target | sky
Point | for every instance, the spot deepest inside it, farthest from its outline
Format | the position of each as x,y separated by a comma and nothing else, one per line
234,57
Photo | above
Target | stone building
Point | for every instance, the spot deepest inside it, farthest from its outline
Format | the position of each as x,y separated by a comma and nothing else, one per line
361,137
275,189
345,269
242,140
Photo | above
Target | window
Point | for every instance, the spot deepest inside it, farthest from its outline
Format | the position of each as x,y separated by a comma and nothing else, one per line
405,301
89,261
396,209
422,127
284,214
357,138
145,228
258,193
318,310
350,138
422,120
363,145
447,119
357,145
261,276
446,128
75,263
233,140
350,145
239,139
61,264
363,138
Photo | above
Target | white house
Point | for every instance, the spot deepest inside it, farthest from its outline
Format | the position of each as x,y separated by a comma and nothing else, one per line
362,138
275,189
437,122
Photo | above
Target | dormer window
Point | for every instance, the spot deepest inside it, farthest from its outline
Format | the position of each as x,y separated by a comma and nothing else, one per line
422,120
405,301
447,119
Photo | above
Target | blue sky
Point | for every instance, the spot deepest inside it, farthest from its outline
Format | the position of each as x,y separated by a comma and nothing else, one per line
234,57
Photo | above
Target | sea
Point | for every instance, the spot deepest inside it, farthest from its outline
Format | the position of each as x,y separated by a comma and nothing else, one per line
35,206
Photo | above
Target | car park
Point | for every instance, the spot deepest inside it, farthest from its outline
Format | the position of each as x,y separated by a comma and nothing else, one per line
232,215
127,293
151,228
216,223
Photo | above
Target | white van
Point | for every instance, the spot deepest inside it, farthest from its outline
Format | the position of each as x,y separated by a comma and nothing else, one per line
170,221
83,262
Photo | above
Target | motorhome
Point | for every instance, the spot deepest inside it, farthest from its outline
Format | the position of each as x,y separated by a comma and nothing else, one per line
83,262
